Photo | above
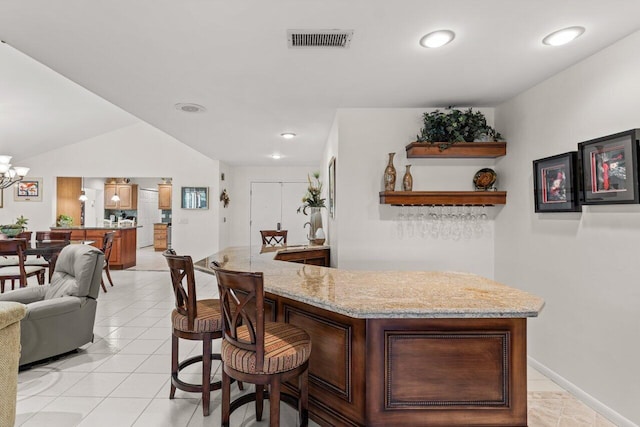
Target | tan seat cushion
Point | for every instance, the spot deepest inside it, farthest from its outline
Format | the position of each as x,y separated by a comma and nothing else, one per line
285,347
209,318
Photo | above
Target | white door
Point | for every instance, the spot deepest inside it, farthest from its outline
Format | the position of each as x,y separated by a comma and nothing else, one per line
276,202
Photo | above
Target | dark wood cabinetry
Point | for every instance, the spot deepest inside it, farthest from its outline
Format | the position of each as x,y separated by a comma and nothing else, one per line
318,256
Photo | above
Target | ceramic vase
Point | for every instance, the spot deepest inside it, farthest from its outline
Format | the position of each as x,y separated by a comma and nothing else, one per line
407,179
315,224
390,175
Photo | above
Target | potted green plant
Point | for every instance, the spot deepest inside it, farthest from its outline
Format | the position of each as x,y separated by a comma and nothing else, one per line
64,220
313,201
453,126
12,230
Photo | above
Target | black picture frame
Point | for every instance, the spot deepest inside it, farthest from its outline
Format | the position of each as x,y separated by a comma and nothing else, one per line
610,169
556,183
332,187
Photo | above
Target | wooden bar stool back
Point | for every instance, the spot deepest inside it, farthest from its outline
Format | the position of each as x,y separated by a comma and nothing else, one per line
259,352
274,237
192,319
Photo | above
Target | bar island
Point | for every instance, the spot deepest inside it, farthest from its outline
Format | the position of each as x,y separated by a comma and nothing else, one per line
123,254
401,348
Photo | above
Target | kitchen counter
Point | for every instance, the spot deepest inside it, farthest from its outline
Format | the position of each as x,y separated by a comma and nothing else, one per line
123,252
401,348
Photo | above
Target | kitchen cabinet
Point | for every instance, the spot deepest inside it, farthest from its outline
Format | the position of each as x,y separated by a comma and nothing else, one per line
160,236
164,196
128,194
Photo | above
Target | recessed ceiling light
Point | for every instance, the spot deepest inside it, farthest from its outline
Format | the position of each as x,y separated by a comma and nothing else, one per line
437,38
564,36
288,135
190,108
276,156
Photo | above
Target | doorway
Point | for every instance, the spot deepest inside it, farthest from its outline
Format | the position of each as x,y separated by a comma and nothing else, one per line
277,202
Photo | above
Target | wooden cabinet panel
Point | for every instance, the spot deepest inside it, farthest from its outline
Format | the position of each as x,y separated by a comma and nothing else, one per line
67,193
313,256
160,237
164,196
128,194
453,372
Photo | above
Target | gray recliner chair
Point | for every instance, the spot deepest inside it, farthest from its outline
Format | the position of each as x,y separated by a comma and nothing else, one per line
60,316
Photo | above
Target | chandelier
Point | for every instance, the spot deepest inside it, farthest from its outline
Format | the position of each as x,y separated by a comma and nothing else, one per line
10,175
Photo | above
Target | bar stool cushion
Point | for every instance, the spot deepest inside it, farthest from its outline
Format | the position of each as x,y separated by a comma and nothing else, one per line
209,318
285,347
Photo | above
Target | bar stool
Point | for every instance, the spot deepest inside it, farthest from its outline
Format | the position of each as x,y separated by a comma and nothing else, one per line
259,352
274,237
192,319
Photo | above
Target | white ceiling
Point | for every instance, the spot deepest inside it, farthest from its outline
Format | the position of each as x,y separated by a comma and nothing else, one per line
144,56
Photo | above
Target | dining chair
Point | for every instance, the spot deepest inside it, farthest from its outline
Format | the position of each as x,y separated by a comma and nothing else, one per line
53,235
259,352
274,237
192,319
20,272
107,247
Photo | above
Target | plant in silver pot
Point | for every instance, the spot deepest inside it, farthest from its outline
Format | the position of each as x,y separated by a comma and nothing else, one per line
313,201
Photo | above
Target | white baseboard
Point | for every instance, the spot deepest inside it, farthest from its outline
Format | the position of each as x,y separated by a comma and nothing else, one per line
585,397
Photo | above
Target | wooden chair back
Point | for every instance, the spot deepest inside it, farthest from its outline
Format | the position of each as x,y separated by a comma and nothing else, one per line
26,235
53,235
107,245
242,304
14,247
181,268
274,237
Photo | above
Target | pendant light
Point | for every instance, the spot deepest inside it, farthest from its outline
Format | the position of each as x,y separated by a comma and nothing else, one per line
83,197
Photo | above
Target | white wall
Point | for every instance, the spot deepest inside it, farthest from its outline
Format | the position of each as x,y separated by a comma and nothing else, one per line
585,265
135,151
367,229
240,186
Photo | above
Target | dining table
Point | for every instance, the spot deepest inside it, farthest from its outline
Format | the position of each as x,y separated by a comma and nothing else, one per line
50,249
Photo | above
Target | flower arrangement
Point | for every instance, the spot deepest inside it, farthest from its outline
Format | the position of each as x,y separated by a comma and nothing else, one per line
312,198
454,126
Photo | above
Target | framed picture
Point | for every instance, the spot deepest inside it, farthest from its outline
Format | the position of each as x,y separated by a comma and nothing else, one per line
28,190
609,169
195,198
1,198
556,183
332,187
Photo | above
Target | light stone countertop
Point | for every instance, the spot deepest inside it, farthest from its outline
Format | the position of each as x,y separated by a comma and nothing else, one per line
380,294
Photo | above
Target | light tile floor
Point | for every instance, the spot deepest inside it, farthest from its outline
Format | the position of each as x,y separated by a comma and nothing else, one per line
122,378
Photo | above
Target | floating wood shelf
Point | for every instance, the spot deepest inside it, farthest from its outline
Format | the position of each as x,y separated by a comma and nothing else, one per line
450,198
457,150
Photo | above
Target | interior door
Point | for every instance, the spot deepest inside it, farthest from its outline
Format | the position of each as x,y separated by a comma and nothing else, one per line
276,202
148,214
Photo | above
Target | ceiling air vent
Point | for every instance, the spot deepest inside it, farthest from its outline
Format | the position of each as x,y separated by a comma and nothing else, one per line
319,38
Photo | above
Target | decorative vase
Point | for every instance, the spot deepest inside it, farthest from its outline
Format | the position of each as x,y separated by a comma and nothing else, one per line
390,175
316,234
407,179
